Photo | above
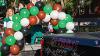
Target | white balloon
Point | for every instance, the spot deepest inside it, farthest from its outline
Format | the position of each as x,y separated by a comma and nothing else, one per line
47,18
18,35
61,15
54,14
9,24
70,27
24,22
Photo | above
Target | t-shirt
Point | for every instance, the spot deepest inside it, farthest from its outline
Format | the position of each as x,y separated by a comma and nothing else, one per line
6,19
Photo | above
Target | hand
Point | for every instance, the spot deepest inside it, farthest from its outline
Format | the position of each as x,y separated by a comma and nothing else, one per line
6,14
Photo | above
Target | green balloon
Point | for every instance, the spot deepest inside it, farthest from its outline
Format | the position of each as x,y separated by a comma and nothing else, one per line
34,10
16,26
0,44
10,40
56,27
68,18
62,24
16,18
47,9
24,13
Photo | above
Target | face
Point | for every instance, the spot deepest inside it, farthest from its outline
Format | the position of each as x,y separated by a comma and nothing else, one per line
10,12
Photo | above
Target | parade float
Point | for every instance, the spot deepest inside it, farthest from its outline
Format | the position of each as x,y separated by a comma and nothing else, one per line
49,24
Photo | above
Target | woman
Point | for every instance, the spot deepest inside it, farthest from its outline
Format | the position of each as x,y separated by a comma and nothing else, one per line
9,14
21,5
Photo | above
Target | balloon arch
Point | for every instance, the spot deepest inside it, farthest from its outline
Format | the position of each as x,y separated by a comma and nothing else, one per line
12,42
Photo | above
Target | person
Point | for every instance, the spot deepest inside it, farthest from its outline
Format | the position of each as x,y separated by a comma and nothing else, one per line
50,28
8,17
34,1
10,12
21,5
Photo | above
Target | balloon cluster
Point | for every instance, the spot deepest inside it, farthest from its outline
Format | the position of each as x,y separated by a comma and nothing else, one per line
30,16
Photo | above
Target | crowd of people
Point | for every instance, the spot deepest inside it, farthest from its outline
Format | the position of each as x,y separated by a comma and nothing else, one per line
8,11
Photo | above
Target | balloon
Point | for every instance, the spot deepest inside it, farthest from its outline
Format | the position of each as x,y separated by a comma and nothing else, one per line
47,8
0,44
24,22
29,5
33,20
20,43
18,35
39,4
16,18
47,18
25,31
68,18
16,26
41,15
54,22
54,14
10,40
9,24
24,13
34,10
62,24
5,50
57,7
61,15
9,31
70,25
14,49
56,27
